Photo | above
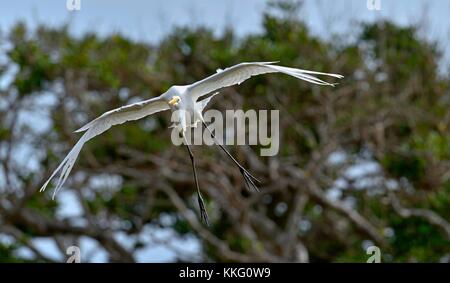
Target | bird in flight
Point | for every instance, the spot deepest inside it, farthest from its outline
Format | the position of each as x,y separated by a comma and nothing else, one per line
188,102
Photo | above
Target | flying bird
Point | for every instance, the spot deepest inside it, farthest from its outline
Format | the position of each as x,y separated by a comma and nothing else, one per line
188,102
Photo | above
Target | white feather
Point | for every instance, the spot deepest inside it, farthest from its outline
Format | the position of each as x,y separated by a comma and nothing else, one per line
243,71
101,124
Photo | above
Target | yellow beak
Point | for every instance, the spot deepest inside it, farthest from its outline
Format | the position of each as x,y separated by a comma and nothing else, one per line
174,100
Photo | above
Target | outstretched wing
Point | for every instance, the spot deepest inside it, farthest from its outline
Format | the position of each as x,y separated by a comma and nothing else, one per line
243,71
101,124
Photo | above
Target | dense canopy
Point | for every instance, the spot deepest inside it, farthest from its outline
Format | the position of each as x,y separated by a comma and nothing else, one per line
364,163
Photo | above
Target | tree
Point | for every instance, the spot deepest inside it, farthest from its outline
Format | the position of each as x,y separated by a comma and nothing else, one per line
364,163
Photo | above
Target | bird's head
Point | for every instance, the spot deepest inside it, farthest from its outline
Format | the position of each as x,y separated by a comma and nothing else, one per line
174,101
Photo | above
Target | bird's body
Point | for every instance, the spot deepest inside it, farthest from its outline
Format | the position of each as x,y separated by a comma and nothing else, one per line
185,101
189,111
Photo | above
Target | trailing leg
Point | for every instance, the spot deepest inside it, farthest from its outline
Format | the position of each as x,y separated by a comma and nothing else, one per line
203,213
248,178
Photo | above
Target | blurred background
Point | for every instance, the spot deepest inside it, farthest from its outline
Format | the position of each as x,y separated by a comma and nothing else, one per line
366,163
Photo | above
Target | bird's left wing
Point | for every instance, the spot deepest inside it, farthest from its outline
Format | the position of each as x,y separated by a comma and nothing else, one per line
101,124
243,71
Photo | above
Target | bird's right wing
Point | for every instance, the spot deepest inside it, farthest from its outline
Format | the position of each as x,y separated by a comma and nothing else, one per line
101,124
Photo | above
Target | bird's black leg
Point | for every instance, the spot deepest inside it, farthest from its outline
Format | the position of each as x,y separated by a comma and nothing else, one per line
203,213
248,178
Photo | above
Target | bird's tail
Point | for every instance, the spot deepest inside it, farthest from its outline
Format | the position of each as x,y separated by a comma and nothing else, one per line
205,101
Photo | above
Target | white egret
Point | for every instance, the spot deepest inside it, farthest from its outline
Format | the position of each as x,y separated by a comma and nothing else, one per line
187,99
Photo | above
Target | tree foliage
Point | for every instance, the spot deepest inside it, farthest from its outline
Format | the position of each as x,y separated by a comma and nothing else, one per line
366,162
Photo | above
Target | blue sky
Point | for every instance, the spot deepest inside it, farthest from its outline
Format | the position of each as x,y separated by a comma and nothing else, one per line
150,20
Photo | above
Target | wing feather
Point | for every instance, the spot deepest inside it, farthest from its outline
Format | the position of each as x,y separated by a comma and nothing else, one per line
243,71
101,124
